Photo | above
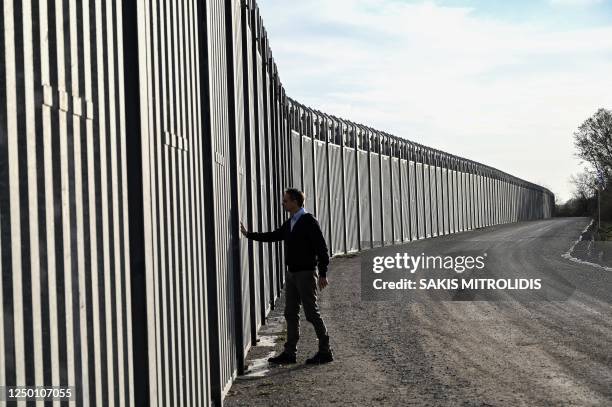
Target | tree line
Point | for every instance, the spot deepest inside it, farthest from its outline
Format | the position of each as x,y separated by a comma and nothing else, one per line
593,142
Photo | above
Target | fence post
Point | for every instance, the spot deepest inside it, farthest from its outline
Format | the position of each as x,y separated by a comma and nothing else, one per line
342,130
358,143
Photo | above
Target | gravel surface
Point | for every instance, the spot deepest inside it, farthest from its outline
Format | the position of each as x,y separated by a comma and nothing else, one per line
454,353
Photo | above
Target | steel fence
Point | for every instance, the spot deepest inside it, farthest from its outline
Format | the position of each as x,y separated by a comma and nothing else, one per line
134,137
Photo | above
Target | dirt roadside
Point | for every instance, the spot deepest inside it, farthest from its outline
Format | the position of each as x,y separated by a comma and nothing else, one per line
449,353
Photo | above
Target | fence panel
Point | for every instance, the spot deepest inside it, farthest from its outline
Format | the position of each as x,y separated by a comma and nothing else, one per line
445,201
439,201
323,210
242,199
296,160
262,177
351,201
308,171
433,201
405,200
376,200
365,207
397,201
65,259
461,200
337,199
385,184
257,302
472,198
414,205
422,207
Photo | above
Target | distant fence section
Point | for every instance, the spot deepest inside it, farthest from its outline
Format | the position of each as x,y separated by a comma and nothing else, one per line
371,189
134,137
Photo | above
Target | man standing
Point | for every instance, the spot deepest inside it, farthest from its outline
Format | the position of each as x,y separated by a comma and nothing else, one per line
305,250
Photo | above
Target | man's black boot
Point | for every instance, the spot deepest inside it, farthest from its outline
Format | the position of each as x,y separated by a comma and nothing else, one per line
282,358
321,357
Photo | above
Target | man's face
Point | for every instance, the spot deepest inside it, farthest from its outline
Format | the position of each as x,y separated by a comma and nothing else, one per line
289,204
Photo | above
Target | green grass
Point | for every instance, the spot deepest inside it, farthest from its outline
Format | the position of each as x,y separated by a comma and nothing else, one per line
605,232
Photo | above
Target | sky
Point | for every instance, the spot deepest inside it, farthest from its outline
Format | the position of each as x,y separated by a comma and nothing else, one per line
504,83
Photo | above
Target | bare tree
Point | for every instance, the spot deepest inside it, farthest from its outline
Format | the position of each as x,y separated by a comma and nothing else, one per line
585,184
593,139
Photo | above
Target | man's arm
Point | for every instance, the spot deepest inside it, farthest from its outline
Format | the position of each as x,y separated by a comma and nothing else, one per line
320,248
274,236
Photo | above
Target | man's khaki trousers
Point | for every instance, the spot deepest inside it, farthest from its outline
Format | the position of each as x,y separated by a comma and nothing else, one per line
302,287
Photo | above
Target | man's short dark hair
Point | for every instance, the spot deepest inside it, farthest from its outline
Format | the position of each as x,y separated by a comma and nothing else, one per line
296,195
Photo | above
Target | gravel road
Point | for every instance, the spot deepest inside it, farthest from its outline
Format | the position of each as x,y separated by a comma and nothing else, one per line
455,353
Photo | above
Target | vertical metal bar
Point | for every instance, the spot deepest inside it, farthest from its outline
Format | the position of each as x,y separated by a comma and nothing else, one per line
233,128
504,200
99,381
453,177
431,189
328,195
256,137
60,188
203,331
449,194
30,252
38,60
76,220
212,110
410,157
398,193
481,222
462,173
190,230
301,131
3,258
422,160
473,197
124,295
389,152
7,351
379,145
466,201
358,140
490,208
249,161
466,194
141,289
436,164
181,179
268,162
168,128
444,192
160,249
11,208
461,194
342,130
115,287
310,133
369,156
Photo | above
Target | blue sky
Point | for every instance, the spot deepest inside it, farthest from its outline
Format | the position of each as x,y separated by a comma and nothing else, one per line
569,14
501,82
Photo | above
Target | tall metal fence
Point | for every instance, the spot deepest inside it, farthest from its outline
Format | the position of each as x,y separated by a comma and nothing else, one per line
371,189
134,137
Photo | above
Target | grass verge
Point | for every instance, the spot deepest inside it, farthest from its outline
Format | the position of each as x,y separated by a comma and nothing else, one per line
605,232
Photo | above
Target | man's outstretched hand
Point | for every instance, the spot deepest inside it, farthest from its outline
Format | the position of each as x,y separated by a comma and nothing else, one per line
323,282
243,229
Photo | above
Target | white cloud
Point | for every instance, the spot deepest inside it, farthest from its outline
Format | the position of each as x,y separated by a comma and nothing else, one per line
574,2
508,95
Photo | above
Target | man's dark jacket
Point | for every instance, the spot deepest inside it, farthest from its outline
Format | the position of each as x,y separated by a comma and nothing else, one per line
305,246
